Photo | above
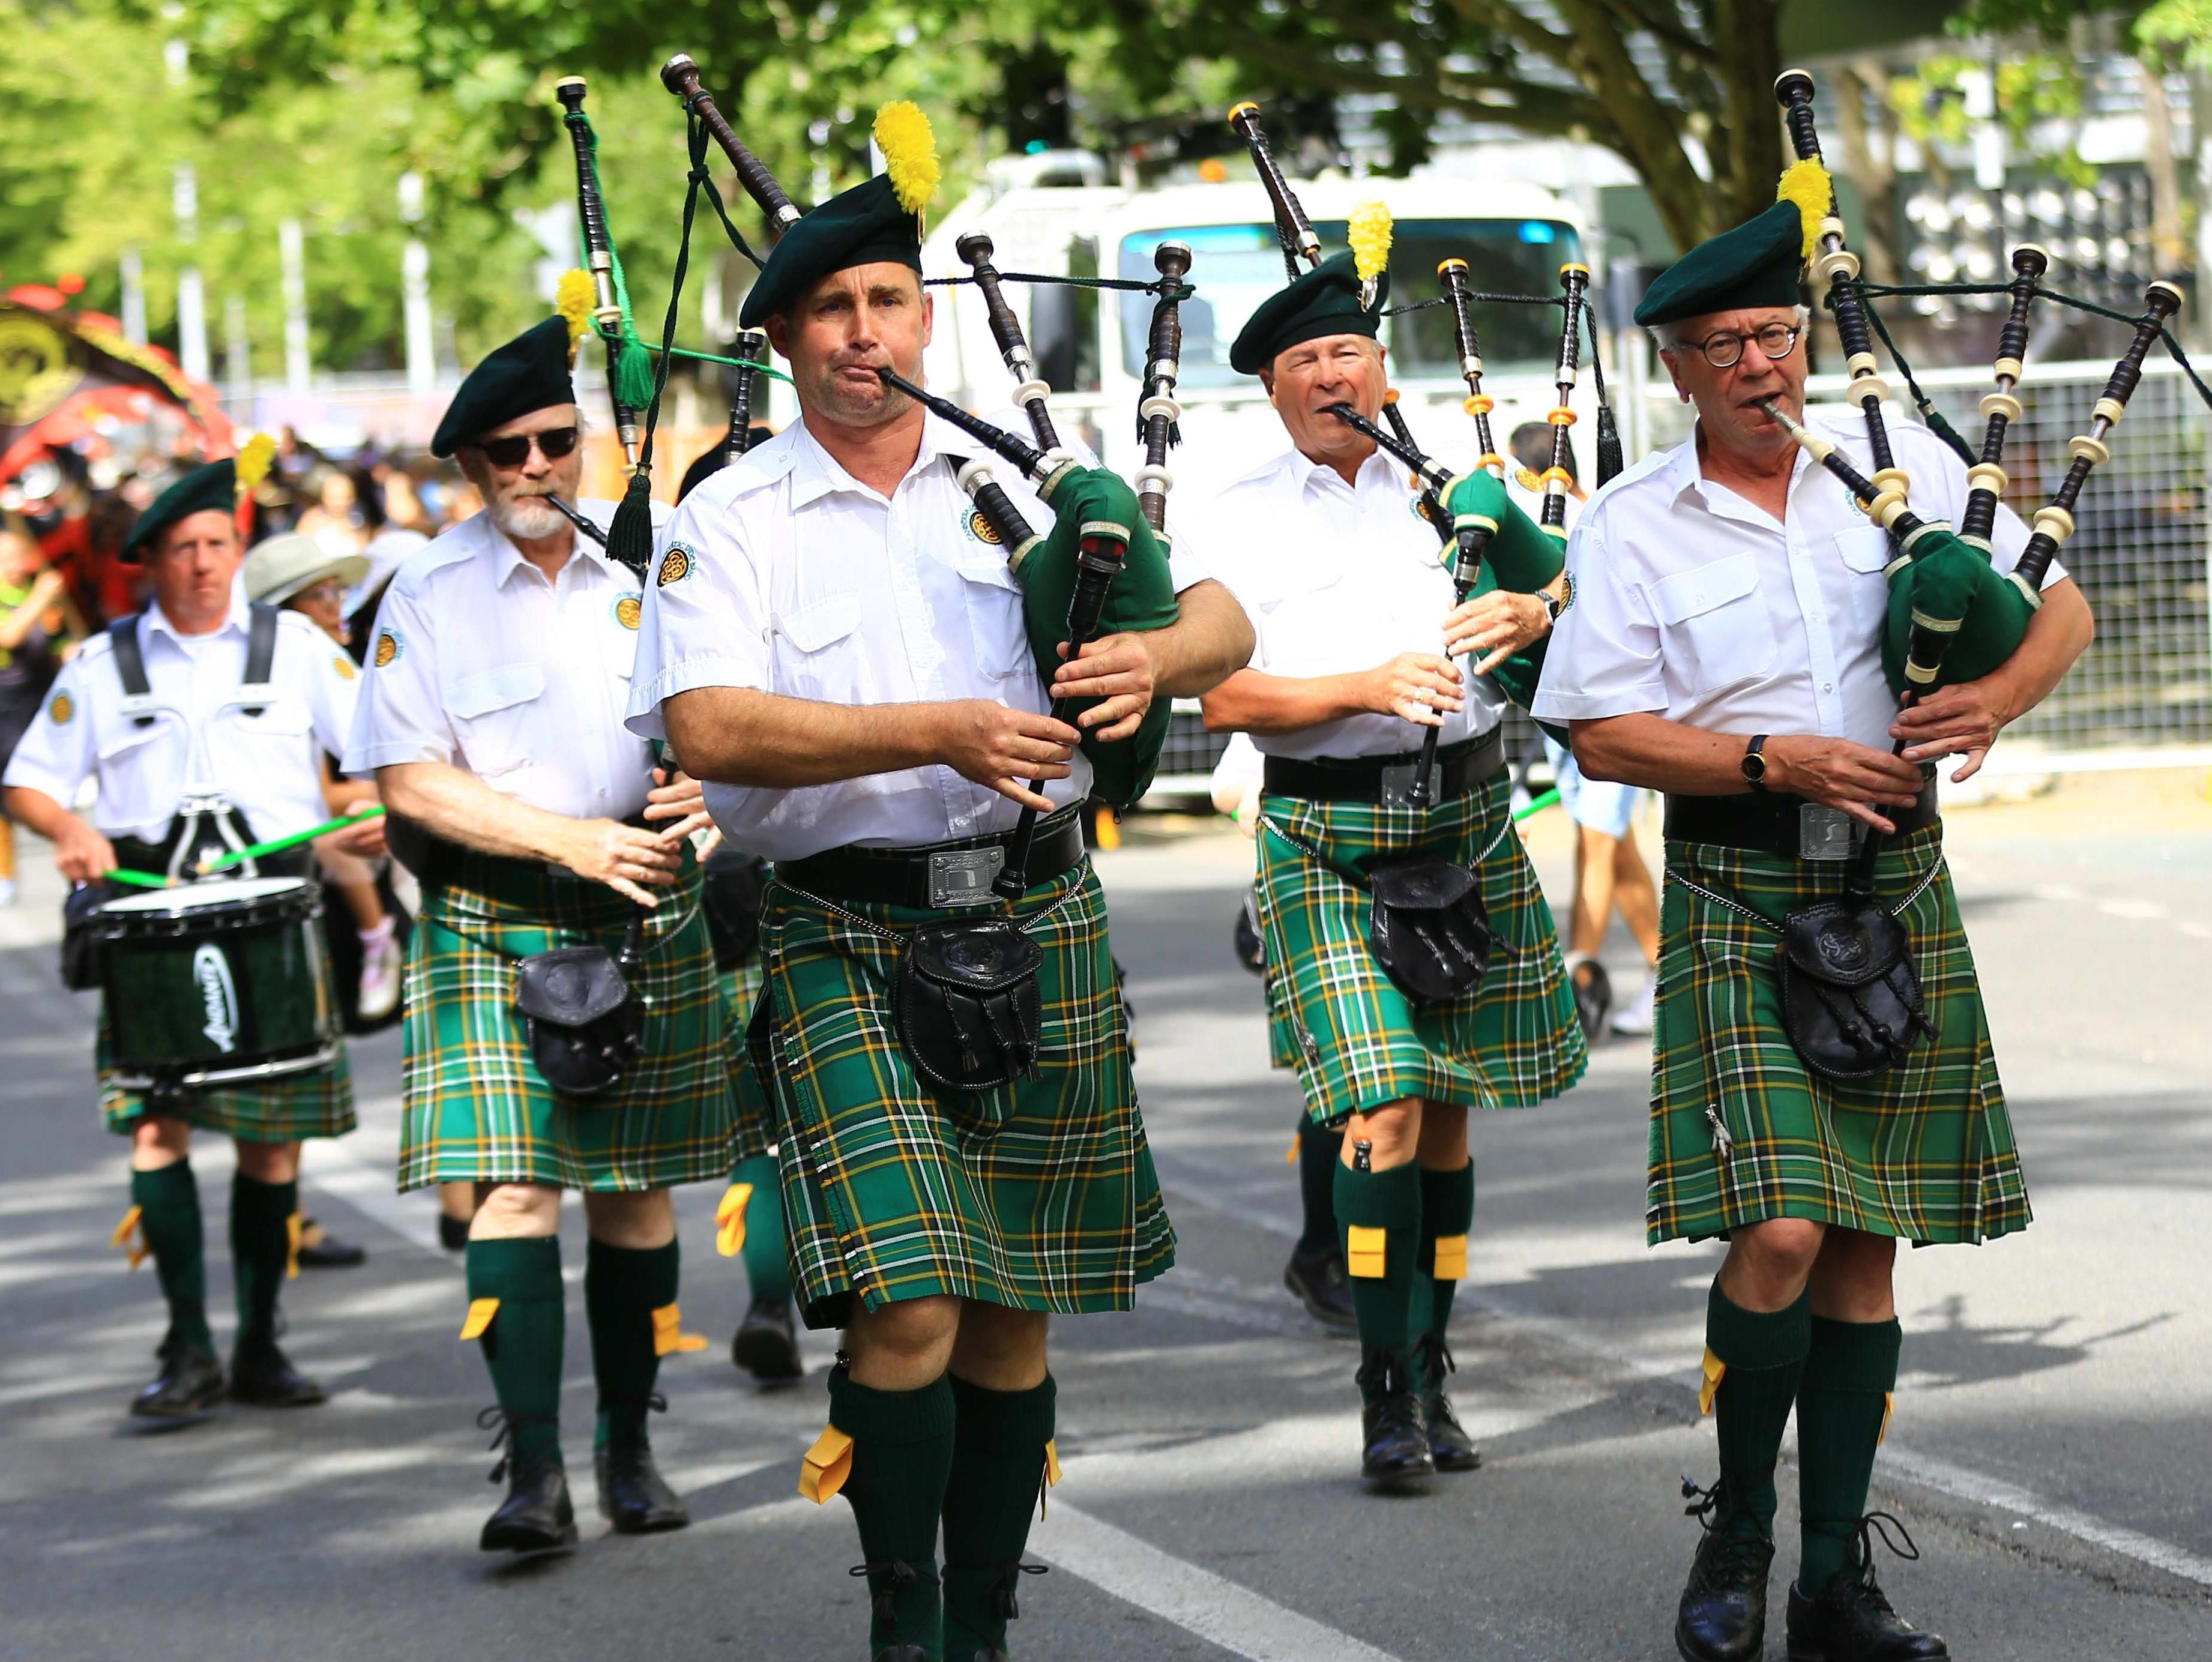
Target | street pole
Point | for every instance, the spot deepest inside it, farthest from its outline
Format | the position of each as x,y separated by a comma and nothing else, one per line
134,296
291,248
415,291
192,298
237,366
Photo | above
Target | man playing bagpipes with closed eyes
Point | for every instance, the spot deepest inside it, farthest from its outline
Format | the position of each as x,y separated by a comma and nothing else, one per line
836,643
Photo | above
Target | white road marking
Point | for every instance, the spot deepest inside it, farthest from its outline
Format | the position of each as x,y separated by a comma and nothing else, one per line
2134,911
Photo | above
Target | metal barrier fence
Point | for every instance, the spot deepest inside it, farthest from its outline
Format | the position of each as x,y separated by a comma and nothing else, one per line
2142,694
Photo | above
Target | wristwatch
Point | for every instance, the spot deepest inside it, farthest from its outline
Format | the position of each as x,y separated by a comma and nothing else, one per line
1553,603
1754,764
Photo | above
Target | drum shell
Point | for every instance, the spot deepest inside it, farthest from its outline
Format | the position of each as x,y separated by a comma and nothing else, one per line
219,993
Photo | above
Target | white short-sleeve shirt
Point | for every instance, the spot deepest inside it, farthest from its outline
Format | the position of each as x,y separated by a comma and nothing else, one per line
201,736
785,575
478,661
1338,578
1688,602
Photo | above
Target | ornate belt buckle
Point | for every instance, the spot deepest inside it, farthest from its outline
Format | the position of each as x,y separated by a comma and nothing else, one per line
1824,833
1398,782
962,876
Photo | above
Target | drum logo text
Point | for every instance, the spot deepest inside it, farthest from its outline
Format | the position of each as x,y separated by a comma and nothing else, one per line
211,970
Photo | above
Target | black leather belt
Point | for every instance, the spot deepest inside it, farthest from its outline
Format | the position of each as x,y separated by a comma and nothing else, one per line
1776,822
1460,769
942,874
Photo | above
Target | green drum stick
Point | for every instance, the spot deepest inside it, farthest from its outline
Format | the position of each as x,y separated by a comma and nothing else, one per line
278,844
134,879
1537,804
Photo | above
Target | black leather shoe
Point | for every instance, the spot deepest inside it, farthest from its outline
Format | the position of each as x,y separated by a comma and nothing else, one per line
1723,1616
261,1375
632,1495
321,1250
1394,1453
1450,1447
1850,1619
1317,1280
766,1344
189,1384
904,1600
1592,991
536,1515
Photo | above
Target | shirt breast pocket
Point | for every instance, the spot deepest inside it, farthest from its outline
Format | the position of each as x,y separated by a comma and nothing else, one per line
812,658
995,618
1716,630
491,712
1866,552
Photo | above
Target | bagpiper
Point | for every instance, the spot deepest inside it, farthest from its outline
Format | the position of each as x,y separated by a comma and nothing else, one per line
194,717
836,646
565,1029
1723,646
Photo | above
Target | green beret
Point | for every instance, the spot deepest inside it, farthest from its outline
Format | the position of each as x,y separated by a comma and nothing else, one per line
860,226
211,487
530,373
1323,302
1754,264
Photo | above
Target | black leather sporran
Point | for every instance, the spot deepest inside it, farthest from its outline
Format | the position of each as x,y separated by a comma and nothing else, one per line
584,1021
1428,928
969,1014
1851,994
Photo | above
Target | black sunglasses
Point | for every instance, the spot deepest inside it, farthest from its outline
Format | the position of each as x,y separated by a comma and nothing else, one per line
514,451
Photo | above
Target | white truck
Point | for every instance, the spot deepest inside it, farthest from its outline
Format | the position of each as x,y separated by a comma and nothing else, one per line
1090,343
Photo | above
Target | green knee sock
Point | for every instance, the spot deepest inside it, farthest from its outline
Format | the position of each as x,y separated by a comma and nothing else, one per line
1380,1215
901,1462
260,1250
623,1287
168,1203
768,1254
998,1471
1447,1216
1842,1405
1764,1355
522,1346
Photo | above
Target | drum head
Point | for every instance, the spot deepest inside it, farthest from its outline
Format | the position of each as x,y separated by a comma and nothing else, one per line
215,893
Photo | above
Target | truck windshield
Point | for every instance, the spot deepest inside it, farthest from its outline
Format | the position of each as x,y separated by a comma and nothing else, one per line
1234,267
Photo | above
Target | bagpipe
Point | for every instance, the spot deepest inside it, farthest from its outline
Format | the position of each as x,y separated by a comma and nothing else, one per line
1493,543
1951,617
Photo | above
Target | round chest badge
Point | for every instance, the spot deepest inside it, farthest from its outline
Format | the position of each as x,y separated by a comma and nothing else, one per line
61,709
981,528
628,608
388,648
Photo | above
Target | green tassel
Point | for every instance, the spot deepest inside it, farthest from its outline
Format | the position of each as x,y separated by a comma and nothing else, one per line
630,538
633,371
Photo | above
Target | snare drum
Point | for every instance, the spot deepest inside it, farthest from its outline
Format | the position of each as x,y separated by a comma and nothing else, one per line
223,982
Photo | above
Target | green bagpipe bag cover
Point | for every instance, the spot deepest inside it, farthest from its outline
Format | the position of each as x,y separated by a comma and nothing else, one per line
1142,597
1950,579
1523,558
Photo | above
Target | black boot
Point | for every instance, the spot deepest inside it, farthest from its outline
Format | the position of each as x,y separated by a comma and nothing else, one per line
766,1344
262,1374
1396,1452
632,1495
190,1383
321,1250
1850,1619
1318,1281
1450,1447
536,1513
903,1602
992,1591
1724,1611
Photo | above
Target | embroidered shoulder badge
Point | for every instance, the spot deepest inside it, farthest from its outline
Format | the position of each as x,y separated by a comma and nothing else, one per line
677,564
389,646
981,530
344,665
628,608
61,709
1528,479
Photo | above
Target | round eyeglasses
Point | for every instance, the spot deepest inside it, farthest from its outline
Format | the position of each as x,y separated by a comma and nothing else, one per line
1723,348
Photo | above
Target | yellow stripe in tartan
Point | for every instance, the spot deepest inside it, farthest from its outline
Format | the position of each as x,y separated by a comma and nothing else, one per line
1365,1251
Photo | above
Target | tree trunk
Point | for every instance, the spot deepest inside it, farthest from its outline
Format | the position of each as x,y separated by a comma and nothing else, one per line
1748,147
2169,249
1870,166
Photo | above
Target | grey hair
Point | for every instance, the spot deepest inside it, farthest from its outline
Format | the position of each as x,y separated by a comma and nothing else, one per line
1668,337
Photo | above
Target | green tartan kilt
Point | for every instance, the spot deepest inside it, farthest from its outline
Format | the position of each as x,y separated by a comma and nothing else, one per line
282,1110
1037,1196
1358,1042
477,1107
1923,1153
741,1002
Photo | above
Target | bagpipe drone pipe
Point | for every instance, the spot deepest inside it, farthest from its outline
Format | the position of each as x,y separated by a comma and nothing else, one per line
1951,617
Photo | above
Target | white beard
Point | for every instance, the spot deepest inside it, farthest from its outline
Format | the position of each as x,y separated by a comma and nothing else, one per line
528,519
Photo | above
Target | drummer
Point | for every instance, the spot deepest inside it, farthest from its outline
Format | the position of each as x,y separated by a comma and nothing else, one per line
196,642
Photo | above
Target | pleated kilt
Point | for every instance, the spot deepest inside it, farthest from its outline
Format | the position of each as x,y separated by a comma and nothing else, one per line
1038,1196
282,1110
476,1105
1923,1153
741,1002
1356,1042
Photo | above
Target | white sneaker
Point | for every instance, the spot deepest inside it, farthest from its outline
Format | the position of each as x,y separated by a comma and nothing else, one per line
379,973
1634,1018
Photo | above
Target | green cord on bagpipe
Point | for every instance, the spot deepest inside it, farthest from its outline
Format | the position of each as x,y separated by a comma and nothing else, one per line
629,369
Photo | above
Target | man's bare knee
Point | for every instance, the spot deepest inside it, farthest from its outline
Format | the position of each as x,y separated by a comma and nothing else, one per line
903,1345
269,1162
158,1140
1392,1133
515,1212
1442,1140
1768,1263
999,1349
638,1220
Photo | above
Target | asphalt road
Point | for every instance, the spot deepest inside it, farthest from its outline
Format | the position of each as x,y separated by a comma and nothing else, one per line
2050,1451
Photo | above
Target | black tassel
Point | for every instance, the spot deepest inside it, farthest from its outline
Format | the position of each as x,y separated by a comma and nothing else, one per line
630,538
1608,447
